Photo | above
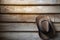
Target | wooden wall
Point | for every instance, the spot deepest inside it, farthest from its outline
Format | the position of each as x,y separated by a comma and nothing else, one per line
17,18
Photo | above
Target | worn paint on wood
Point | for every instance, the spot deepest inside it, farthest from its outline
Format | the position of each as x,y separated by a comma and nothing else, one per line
30,9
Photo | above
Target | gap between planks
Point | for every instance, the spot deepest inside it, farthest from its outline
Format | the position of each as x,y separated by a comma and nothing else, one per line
29,4
31,13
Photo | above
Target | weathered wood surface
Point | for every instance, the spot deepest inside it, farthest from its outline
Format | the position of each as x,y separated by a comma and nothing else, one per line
30,9
22,27
29,1
25,31
19,36
57,18
26,18
22,36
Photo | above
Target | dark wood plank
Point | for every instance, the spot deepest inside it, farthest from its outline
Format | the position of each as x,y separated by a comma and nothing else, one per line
29,4
22,27
32,13
32,9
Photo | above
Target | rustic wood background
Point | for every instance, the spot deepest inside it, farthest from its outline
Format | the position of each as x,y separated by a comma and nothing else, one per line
17,18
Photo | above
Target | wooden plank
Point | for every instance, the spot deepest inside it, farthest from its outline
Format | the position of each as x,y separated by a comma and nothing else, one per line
19,36
23,36
57,26
57,18
30,9
29,1
18,27
24,18
22,27
21,18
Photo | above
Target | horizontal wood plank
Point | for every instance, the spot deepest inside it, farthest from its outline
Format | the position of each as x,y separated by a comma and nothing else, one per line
18,27
22,18
19,36
26,18
57,18
29,1
22,27
23,36
30,9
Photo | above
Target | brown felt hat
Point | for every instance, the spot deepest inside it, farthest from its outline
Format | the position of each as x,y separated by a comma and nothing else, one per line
45,27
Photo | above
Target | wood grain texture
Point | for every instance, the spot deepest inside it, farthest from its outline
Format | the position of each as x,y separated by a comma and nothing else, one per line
26,31
26,18
19,36
22,27
57,18
18,27
29,1
30,9
22,18
23,36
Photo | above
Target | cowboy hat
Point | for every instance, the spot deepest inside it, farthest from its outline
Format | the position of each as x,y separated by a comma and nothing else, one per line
45,27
